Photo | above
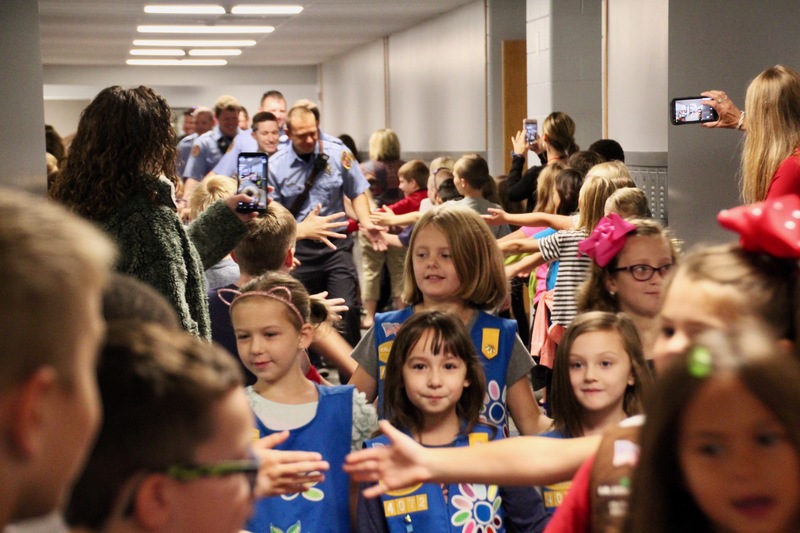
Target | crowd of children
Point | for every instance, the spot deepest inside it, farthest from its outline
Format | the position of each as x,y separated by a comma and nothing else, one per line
667,384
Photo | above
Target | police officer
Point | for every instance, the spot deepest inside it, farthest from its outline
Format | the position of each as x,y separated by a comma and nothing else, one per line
209,148
315,172
203,121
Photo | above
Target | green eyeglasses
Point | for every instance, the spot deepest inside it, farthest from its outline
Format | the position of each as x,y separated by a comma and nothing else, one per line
185,473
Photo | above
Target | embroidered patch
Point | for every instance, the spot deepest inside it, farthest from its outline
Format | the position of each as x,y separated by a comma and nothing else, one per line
347,159
383,351
390,328
195,150
409,504
490,342
478,438
625,453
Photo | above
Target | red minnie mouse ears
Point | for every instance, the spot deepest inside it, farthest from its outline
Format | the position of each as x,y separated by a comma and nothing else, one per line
771,227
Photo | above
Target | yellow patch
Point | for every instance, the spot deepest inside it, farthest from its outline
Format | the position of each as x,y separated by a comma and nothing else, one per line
490,342
347,159
478,438
404,491
195,150
384,350
256,434
407,505
554,495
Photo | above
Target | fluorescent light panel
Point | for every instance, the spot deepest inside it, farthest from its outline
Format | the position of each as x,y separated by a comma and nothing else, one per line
194,42
204,29
215,52
266,10
185,9
158,52
177,62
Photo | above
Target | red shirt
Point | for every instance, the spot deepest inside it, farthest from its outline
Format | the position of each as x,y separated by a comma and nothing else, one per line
786,179
409,203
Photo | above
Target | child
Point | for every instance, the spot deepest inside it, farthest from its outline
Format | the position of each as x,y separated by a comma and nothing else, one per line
434,391
454,266
628,202
273,317
413,177
598,380
721,444
476,185
174,452
54,268
631,261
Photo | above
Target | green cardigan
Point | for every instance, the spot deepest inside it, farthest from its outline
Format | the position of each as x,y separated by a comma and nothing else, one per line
157,249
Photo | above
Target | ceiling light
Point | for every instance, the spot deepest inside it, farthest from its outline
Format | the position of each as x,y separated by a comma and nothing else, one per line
215,52
185,10
205,29
177,62
158,52
266,10
193,42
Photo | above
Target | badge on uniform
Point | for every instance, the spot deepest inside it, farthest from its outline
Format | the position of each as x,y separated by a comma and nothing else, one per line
490,342
347,159
195,150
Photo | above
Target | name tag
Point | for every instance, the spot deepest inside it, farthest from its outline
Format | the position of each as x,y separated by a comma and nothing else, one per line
407,505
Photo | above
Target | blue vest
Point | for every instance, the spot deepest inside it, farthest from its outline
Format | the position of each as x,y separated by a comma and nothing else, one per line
494,340
553,495
422,508
323,506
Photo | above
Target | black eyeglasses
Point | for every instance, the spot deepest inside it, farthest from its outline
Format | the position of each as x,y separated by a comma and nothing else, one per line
644,272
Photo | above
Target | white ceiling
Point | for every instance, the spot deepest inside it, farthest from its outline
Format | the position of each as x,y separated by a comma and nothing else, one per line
101,32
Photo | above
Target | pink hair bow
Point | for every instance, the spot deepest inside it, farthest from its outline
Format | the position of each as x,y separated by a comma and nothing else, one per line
607,239
771,227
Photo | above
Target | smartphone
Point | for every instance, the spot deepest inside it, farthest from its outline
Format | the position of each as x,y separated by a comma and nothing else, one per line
691,110
531,126
252,168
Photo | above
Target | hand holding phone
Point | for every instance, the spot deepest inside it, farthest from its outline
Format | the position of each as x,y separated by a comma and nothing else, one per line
253,181
531,127
691,110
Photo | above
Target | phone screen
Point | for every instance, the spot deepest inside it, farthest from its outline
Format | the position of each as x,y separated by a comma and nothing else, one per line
253,181
692,110
531,130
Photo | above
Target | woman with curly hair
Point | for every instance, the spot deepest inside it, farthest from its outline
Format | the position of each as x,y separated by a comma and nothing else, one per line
120,173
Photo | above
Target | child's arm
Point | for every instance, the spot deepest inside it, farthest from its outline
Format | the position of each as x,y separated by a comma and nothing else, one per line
518,246
516,234
285,471
495,217
334,348
515,461
528,418
387,218
365,376
365,383
524,266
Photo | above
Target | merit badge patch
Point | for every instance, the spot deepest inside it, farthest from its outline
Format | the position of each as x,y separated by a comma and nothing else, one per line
347,159
490,342
195,150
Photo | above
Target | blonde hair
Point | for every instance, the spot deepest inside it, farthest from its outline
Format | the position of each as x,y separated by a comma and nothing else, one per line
384,145
773,129
210,190
592,201
546,186
226,102
473,249
615,170
52,263
628,202
559,129
444,161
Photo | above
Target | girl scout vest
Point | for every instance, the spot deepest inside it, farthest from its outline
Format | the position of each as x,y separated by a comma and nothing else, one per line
422,508
553,495
493,338
323,506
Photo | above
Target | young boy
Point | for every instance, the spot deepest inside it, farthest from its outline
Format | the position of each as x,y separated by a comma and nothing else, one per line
174,452
268,247
473,181
413,183
54,267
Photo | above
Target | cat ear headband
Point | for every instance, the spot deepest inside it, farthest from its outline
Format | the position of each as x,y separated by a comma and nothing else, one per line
607,239
279,293
771,227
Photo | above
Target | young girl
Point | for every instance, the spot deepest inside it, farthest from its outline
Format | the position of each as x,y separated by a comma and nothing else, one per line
598,380
273,319
434,392
630,261
454,266
721,444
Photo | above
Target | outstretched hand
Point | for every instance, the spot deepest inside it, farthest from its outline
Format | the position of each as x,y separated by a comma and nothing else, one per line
396,466
284,471
336,306
320,228
728,113
495,216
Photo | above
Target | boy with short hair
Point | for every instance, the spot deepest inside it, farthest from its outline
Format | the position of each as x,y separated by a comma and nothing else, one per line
54,266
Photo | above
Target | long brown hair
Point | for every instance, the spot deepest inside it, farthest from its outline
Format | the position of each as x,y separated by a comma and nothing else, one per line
567,411
773,128
124,143
449,336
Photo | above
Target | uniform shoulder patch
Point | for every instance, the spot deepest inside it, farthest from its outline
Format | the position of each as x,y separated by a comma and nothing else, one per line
347,159
195,150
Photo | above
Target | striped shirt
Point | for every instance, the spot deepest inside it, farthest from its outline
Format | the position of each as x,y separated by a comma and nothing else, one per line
572,270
